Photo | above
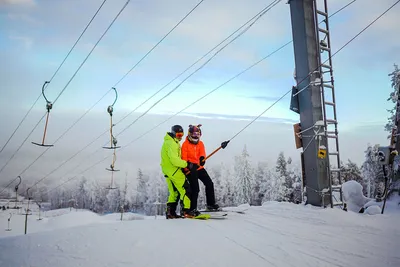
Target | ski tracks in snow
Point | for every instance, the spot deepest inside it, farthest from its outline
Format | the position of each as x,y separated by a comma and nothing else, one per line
273,235
297,237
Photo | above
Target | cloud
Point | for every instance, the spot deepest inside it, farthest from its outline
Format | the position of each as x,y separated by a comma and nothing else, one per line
377,39
27,3
237,117
268,99
31,21
25,40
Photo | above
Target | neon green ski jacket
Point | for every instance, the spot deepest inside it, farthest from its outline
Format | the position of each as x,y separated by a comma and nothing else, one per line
171,156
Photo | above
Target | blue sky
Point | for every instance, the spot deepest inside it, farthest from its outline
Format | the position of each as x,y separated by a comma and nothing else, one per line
36,35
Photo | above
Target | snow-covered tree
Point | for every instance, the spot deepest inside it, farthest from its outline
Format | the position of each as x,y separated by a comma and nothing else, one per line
260,183
215,174
163,190
140,196
267,190
283,183
124,193
226,193
243,178
82,194
152,194
113,199
395,83
351,171
372,172
99,197
294,173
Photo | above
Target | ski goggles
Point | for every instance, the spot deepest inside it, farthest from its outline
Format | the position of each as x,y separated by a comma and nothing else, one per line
179,135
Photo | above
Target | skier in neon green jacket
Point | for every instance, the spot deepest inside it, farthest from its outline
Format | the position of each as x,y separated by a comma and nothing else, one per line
171,166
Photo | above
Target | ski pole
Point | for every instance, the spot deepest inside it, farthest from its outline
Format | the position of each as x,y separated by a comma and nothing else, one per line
223,145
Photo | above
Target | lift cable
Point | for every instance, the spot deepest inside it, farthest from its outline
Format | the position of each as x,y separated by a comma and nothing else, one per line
253,65
116,17
59,67
251,122
259,15
115,84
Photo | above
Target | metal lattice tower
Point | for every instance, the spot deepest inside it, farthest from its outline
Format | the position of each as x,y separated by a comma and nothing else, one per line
328,100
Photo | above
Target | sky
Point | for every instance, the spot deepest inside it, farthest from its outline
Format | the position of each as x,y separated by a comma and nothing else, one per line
35,37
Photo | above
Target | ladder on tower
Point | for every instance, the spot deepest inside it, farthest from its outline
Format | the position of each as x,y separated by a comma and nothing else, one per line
321,19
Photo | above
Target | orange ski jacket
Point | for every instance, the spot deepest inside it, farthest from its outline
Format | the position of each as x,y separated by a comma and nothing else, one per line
193,152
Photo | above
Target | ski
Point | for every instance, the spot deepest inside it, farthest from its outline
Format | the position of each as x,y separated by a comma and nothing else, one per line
205,217
219,216
223,210
202,217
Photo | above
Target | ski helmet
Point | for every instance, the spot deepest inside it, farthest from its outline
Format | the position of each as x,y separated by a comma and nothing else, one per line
194,133
177,131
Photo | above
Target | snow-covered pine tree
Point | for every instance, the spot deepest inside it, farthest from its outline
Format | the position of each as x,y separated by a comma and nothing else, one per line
395,82
81,195
227,192
268,179
55,199
124,200
163,190
283,182
294,173
260,183
215,174
99,197
351,171
372,172
113,199
41,195
141,191
152,195
243,178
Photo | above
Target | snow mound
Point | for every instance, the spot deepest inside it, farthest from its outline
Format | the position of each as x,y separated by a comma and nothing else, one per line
353,196
373,210
357,202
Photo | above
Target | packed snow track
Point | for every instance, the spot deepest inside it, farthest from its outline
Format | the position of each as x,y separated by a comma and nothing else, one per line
276,234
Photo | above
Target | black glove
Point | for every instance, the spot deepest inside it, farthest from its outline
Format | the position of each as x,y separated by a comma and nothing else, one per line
201,161
192,166
224,144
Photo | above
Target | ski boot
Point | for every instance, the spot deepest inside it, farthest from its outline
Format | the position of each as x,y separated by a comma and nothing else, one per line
214,208
191,213
170,213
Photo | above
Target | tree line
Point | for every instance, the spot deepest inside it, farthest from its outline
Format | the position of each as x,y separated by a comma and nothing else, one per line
243,182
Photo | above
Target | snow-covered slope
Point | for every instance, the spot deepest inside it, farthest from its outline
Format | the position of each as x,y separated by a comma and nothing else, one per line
276,234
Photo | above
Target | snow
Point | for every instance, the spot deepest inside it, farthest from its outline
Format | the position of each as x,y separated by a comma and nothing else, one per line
353,196
275,234
373,210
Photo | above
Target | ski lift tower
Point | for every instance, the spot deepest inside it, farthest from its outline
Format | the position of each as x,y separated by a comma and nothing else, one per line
313,98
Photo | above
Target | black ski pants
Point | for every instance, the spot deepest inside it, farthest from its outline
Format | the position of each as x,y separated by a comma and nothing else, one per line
194,178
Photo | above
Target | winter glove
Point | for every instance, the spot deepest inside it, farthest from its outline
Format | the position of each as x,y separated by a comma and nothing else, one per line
192,166
224,144
202,161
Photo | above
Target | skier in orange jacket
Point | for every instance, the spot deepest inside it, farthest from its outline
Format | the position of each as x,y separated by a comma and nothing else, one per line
193,150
